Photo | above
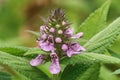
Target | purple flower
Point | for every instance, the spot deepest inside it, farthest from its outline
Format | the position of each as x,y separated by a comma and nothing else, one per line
69,33
78,35
56,33
47,45
44,36
42,29
38,60
54,67
58,40
72,48
52,30
64,47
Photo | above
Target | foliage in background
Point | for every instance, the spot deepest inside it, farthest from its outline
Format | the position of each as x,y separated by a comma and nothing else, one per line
11,18
87,66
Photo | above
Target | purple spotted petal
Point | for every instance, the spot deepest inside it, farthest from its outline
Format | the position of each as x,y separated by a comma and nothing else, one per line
47,45
78,35
38,60
54,67
73,48
42,29
68,33
69,52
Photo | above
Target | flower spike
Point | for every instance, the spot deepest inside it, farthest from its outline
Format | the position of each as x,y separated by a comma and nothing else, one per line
55,40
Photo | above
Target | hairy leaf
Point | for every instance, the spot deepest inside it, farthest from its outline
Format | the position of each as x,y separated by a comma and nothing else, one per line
91,58
106,74
37,34
116,46
91,74
14,50
95,22
34,51
116,71
112,53
104,39
4,76
71,72
22,66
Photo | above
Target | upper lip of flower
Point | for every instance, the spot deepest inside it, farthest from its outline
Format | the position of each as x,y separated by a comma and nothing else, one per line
73,48
69,33
38,60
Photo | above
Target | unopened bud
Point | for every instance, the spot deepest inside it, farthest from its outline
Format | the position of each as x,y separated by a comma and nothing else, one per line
52,30
64,47
57,25
60,32
58,40
63,22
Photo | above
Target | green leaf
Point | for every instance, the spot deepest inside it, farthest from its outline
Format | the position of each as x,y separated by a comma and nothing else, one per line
95,22
71,72
35,51
112,53
91,74
91,58
14,50
15,75
22,66
116,71
106,74
4,76
12,73
33,32
104,39
116,46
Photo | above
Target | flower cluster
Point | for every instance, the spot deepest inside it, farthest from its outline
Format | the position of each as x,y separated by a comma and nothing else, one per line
55,39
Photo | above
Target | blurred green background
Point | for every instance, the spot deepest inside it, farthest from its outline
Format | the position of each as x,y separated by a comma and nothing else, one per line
16,16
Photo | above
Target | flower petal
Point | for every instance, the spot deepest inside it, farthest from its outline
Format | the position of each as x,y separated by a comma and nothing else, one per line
74,48
47,45
78,35
68,33
43,36
42,29
38,60
69,52
54,67
82,48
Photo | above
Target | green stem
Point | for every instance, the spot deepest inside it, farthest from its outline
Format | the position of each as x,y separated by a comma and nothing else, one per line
55,77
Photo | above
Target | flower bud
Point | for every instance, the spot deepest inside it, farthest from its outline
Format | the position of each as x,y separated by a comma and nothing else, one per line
38,60
64,47
57,25
58,40
42,28
52,30
63,22
60,32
